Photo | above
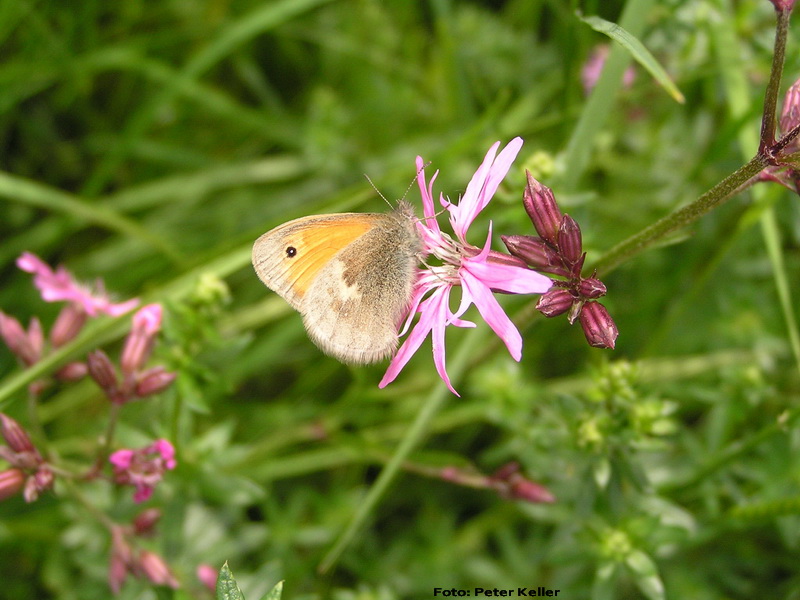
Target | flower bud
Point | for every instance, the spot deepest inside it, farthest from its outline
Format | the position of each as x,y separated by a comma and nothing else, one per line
15,435
68,324
139,343
146,521
102,371
540,204
11,482
530,491
121,559
554,302
155,568
26,345
207,576
591,288
535,252
570,244
72,371
783,4
598,326
153,381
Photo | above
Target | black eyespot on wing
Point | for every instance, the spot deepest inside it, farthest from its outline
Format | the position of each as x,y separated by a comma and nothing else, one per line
291,251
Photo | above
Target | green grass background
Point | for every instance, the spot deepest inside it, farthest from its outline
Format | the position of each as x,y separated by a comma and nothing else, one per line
149,144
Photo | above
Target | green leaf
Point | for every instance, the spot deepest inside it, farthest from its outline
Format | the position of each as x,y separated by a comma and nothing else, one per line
645,574
276,592
638,52
227,588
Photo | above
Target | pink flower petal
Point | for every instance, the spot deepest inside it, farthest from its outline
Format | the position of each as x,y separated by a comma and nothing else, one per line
493,314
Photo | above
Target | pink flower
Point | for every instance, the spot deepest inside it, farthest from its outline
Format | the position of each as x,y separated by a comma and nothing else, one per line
143,468
478,271
59,286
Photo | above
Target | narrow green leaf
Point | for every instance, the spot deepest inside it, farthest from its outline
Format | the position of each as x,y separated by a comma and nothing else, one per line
638,52
227,588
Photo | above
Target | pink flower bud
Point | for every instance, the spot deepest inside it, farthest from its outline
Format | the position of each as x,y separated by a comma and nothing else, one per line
598,326
153,381
102,371
73,371
535,252
540,204
783,4
26,345
146,521
591,288
15,435
530,491
121,559
556,301
11,482
139,343
569,239
155,568
207,576
499,258
117,573
69,323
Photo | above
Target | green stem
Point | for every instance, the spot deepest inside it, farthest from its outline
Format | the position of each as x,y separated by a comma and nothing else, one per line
721,192
773,86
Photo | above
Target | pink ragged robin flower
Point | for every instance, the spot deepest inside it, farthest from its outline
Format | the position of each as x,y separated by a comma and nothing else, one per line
143,468
477,271
59,286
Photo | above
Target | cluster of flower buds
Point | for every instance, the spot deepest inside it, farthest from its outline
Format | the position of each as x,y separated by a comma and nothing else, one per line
507,481
136,381
29,472
140,563
558,250
29,345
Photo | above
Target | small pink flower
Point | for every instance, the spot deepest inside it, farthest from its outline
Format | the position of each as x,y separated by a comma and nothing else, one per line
143,468
59,286
477,271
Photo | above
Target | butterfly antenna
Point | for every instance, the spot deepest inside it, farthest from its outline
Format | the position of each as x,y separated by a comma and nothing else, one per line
410,185
374,187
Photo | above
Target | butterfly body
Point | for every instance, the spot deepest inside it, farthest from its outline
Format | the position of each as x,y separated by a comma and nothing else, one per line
350,275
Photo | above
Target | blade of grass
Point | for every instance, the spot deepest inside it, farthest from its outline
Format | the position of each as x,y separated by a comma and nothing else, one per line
601,100
231,37
638,51
24,191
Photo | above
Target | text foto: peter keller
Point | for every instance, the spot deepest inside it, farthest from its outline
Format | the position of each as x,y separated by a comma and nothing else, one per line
496,592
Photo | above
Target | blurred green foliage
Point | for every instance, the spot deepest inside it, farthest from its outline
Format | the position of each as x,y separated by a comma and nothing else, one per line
149,144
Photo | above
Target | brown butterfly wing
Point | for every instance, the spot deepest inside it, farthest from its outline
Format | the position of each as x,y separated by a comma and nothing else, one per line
288,258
